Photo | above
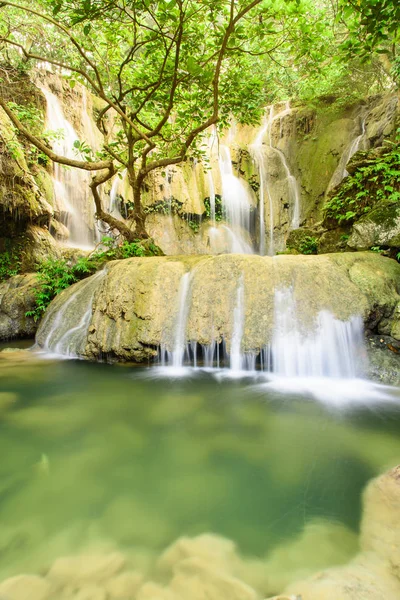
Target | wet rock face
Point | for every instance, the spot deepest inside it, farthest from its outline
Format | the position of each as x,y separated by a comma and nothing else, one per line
133,308
17,296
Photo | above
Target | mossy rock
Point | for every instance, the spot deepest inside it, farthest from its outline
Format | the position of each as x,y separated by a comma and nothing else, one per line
303,240
380,227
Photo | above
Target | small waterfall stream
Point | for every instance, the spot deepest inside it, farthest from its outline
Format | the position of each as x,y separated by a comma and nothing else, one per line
328,351
331,348
258,154
68,327
354,146
236,204
71,186
294,193
178,352
264,140
238,327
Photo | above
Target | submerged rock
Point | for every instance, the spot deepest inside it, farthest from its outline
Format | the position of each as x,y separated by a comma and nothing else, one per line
131,309
375,572
23,587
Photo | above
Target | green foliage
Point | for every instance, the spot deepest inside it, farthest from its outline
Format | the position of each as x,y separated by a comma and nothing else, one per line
194,225
308,245
377,178
164,207
84,150
55,275
29,115
10,263
373,25
218,208
377,249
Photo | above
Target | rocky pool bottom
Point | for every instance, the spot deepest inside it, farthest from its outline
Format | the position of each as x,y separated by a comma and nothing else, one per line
122,483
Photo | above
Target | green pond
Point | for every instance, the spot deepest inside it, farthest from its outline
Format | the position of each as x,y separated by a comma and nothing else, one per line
98,454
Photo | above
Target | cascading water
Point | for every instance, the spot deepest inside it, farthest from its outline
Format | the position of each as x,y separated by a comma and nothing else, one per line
294,192
113,207
71,186
328,351
69,327
236,204
258,154
332,348
237,332
353,147
258,151
176,357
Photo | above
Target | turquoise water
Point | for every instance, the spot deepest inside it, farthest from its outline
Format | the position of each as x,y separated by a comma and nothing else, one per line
97,454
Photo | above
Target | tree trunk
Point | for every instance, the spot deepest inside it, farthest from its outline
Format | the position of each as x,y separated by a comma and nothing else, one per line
139,216
114,223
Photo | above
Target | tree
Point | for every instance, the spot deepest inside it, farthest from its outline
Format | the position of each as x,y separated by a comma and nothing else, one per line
160,68
373,26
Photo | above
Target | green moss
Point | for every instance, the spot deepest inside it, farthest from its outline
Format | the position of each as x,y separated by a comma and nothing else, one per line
45,183
386,213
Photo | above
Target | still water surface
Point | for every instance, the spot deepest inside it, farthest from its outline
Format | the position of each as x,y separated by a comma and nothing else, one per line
108,453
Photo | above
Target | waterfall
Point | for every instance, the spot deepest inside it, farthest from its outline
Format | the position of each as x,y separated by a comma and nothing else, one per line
257,152
257,149
236,204
291,179
68,326
176,357
331,348
329,351
237,331
341,172
71,186
355,145
113,207
178,352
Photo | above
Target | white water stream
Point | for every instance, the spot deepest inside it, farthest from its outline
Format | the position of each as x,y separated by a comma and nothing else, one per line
354,146
236,204
71,186
330,349
262,142
68,331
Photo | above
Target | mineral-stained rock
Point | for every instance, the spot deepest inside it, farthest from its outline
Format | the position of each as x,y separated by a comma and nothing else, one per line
133,307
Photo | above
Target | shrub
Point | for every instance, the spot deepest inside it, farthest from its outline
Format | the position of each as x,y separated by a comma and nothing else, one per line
376,179
55,275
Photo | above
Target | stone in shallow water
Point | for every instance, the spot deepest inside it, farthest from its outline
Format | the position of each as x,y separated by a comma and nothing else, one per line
196,579
25,587
211,548
320,545
86,568
88,592
124,585
375,573
153,591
